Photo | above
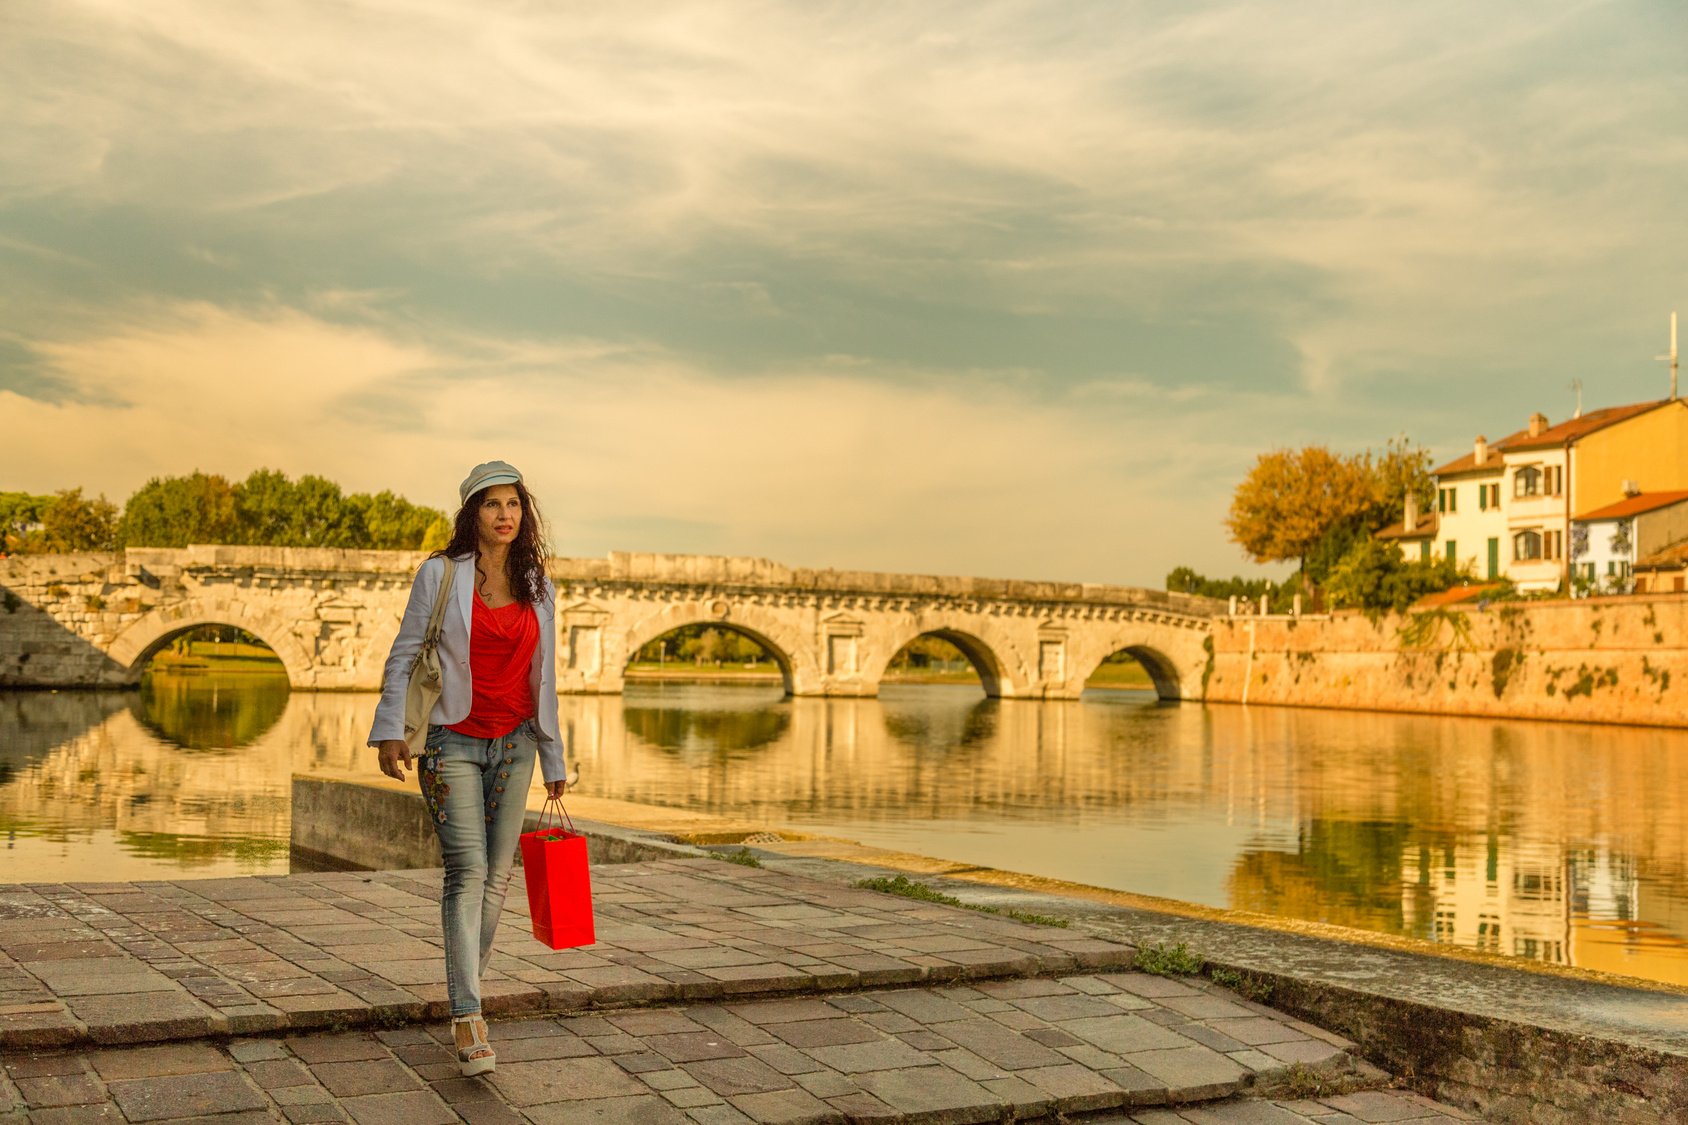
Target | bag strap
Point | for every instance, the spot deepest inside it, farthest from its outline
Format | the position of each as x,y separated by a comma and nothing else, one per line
545,809
435,620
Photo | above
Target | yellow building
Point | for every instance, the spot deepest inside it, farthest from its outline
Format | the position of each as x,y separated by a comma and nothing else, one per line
1647,451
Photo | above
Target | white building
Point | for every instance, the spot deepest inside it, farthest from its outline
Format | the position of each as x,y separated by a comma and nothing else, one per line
1607,542
1470,526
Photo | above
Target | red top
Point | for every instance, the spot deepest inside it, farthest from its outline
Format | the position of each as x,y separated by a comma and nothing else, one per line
501,645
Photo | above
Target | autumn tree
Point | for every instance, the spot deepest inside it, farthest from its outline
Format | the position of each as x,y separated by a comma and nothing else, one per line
1293,498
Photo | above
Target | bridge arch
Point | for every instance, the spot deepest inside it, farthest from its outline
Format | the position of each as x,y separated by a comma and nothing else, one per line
1163,671
135,645
782,643
983,654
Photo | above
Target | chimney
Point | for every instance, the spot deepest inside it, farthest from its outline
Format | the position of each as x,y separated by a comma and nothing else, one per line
1480,450
1409,517
1538,424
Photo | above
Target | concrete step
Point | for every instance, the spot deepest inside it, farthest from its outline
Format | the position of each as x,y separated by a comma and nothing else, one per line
1010,1050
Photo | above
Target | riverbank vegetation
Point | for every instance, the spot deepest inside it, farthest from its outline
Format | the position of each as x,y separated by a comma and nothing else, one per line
267,509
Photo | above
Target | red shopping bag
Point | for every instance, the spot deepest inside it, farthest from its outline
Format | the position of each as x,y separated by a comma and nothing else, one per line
559,887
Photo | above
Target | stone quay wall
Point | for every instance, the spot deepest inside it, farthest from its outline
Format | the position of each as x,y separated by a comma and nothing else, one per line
1605,660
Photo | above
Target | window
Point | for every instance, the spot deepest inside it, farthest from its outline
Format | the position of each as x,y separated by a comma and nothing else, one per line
1482,498
1527,481
1526,546
1447,500
1494,495
1552,544
1553,480
1424,550
1494,558
1453,553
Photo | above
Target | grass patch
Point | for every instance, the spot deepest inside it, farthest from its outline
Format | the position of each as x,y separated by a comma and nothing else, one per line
1168,960
904,887
1302,1082
1034,919
1245,985
743,857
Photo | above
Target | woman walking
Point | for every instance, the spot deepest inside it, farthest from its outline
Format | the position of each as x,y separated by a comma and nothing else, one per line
496,713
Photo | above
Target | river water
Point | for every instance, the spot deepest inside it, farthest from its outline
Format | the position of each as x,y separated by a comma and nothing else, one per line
1547,841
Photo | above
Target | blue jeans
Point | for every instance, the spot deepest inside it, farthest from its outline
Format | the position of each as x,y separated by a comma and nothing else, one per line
476,792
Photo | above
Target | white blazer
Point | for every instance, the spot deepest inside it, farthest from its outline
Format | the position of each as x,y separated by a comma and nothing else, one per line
457,688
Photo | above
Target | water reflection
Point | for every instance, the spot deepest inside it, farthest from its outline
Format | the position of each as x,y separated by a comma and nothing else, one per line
672,717
1562,843
210,711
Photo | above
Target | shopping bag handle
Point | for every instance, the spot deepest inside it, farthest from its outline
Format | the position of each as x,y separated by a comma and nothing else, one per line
562,820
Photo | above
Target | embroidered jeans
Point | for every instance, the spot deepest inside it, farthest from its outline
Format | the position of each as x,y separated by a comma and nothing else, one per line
476,792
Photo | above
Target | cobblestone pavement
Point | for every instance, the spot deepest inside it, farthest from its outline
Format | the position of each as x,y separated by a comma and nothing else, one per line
988,1051
139,962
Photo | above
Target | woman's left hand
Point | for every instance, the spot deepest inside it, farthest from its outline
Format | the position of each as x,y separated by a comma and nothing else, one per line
554,790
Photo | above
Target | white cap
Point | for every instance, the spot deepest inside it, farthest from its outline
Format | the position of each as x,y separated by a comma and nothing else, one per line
485,476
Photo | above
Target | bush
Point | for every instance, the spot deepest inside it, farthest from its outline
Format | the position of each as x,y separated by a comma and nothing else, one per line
1373,575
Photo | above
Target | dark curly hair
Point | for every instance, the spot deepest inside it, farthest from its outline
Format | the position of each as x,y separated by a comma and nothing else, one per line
524,565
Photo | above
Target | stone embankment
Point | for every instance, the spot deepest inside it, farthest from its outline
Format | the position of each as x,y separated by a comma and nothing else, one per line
1607,660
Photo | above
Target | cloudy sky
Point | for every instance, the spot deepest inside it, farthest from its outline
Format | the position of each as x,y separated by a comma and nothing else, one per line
986,287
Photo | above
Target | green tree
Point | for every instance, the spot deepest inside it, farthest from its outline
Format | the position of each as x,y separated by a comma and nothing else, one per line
177,511
73,522
1281,595
1401,469
264,506
392,523
22,516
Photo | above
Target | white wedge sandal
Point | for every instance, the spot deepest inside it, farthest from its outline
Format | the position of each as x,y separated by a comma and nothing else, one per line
478,1057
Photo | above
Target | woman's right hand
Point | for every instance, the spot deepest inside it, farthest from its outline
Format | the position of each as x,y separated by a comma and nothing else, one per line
395,755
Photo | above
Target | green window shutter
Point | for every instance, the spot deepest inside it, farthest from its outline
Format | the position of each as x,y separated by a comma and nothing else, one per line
1424,550
1494,558
1453,553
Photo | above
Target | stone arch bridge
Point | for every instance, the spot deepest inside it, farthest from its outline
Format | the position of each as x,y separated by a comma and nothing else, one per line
330,615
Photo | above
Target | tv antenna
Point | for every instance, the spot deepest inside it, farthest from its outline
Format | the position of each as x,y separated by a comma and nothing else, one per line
1671,357
1576,385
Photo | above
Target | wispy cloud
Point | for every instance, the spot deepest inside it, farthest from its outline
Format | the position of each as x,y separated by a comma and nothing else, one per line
818,467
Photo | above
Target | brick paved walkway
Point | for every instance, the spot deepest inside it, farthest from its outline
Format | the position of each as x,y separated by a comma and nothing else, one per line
988,1051
717,995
